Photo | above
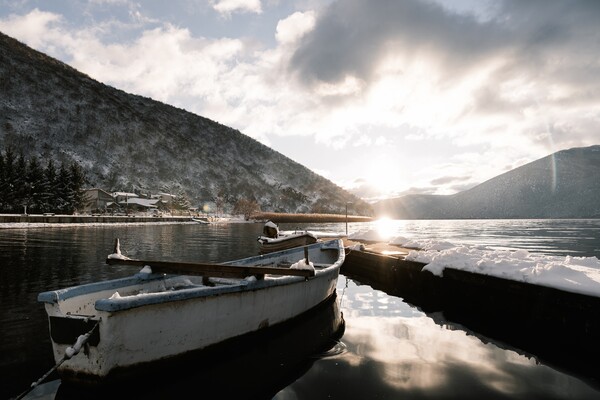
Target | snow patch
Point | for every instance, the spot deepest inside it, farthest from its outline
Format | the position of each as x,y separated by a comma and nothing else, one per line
303,265
572,274
146,270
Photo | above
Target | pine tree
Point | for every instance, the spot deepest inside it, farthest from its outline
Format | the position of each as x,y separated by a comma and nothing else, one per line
34,183
77,182
19,184
50,187
62,190
25,183
7,184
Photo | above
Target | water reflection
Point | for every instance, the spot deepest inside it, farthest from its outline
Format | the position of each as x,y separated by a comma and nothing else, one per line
398,352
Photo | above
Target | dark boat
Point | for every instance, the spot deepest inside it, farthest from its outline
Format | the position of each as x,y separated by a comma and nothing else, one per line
273,240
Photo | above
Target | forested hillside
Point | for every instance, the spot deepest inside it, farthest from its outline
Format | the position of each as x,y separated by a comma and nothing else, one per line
125,142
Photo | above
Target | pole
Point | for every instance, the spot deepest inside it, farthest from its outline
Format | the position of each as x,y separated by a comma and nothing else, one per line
348,202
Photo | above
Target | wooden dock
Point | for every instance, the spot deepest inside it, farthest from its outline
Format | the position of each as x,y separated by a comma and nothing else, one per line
557,327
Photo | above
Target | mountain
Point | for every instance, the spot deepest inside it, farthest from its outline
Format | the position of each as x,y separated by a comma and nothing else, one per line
565,184
128,142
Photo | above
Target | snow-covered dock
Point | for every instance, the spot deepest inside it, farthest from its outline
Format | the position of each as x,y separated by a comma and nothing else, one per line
545,306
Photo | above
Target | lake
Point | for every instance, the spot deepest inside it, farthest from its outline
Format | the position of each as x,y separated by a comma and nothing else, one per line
389,349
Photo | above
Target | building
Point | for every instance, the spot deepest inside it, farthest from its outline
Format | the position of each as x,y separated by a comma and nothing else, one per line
97,200
139,204
123,196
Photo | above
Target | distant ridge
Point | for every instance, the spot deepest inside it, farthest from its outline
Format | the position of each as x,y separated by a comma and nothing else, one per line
128,142
565,184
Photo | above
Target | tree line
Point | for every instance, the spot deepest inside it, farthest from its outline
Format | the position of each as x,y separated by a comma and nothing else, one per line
28,186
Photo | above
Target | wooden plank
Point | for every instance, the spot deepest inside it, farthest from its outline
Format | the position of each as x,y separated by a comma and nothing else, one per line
208,269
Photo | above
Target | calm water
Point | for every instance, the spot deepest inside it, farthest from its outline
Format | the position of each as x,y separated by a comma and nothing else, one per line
389,349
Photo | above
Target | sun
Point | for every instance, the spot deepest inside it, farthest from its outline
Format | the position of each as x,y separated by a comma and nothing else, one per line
383,175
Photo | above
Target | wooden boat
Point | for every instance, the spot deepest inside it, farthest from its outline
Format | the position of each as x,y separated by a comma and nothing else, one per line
285,241
201,220
284,354
123,324
274,240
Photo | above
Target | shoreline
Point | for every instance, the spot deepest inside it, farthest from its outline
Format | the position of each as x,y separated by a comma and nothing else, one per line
325,218
44,220
23,221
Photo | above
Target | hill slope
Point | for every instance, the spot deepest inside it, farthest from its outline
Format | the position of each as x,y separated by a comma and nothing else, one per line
128,142
565,184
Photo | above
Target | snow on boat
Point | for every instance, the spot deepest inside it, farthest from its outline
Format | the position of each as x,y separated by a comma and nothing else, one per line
152,316
297,239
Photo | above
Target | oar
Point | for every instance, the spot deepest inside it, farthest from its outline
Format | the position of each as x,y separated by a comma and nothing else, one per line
208,269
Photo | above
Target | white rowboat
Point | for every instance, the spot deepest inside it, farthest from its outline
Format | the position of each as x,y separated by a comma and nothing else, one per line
152,317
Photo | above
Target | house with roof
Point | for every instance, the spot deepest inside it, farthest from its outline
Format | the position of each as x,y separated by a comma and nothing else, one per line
139,204
97,200
123,196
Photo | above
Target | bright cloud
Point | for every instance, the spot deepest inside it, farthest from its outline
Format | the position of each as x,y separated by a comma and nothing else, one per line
31,28
295,26
227,7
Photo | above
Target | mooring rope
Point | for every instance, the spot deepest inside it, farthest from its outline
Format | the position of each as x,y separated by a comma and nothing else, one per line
69,353
343,293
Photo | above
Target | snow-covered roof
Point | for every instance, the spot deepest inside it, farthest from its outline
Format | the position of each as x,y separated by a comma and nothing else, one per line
140,202
124,194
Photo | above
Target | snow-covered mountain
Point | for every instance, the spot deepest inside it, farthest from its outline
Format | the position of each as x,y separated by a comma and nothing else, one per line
128,142
565,184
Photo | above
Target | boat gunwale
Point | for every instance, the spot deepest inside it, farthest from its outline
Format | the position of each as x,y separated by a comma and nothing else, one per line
284,238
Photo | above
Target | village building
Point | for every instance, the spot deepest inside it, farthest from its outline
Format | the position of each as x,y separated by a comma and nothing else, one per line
137,204
123,196
97,200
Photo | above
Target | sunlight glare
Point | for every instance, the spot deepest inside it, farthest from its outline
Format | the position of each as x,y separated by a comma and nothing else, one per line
386,228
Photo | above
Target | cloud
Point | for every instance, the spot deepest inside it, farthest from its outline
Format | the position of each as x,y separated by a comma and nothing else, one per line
32,28
228,7
529,66
292,28
353,38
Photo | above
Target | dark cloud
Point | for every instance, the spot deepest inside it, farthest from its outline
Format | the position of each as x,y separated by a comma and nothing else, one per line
549,40
352,36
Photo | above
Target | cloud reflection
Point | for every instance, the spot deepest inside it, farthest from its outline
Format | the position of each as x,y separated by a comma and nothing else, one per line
399,350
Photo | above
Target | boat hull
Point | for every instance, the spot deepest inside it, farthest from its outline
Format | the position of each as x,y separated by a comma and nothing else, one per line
262,363
155,325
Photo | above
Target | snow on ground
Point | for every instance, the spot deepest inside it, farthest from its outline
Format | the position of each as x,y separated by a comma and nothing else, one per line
573,274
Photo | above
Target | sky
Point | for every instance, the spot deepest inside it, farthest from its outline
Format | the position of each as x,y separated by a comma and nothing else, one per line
382,97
